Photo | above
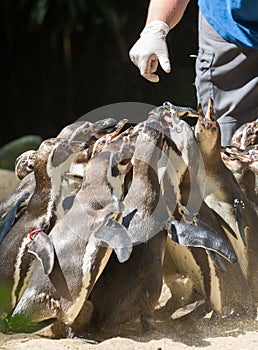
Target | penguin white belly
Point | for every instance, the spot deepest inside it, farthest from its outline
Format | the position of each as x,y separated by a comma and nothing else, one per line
186,264
224,209
72,312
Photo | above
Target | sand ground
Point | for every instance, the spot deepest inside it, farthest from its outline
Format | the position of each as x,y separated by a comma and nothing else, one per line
171,334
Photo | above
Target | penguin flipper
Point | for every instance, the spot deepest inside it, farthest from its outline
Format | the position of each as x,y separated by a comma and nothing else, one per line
116,236
42,247
198,236
7,220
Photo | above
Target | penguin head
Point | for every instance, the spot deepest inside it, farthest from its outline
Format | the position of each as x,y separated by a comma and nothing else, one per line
24,164
207,130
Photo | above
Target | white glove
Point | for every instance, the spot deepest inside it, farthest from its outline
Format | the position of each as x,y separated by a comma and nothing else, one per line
150,49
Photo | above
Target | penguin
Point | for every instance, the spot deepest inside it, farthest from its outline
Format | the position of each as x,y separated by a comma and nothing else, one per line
246,135
242,170
208,136
252,156
82,243
248,156
38,214
224,196
132,289
184,163
15,204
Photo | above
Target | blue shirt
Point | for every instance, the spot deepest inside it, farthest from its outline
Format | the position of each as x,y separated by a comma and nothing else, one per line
235,20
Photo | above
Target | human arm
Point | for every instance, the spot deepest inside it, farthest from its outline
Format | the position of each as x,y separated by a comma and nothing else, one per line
151,48
168,11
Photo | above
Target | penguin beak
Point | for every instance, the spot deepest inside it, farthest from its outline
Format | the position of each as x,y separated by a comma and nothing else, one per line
30,165
209,114
106,125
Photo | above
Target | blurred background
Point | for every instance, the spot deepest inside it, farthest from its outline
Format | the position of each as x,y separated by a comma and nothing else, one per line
61,59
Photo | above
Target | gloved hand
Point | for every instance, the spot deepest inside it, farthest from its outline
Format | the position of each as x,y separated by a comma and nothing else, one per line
151,49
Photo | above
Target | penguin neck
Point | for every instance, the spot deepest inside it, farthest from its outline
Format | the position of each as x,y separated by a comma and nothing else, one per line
56,175
42,178
246,180
143,170
100,187
95,176
96,170
210,147
146,156
41,193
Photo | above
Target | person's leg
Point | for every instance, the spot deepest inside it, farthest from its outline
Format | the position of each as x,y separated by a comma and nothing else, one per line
229,75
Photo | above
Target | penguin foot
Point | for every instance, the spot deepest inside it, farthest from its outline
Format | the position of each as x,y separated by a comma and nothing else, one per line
165,312
86,340
237,313
61,330
173,304
199,312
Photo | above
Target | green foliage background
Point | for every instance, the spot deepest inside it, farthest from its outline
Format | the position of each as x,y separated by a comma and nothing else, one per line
63,58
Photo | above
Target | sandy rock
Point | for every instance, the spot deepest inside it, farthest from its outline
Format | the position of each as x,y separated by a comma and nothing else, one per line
8,181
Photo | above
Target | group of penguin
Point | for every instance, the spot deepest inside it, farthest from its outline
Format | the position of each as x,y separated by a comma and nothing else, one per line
107,212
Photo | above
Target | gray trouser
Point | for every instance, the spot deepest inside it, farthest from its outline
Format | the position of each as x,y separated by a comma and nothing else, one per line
229,75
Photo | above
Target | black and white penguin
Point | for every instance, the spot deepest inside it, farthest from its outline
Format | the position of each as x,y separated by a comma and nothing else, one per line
15,204
224,196
125,298
246,135
82,242
39,215
242,169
